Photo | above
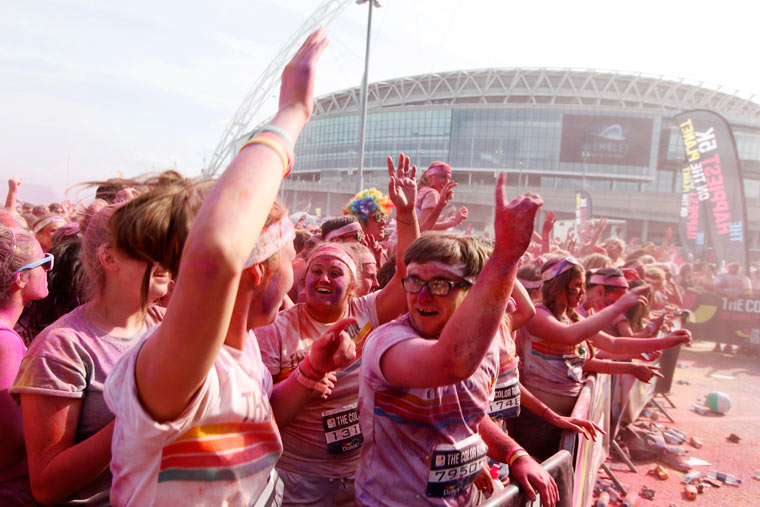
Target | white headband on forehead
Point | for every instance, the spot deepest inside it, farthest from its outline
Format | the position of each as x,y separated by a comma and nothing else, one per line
331,250
271,240
47,221
531,284
456,270
609,281
353,227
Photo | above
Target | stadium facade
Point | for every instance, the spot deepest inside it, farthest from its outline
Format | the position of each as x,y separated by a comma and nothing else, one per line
552,130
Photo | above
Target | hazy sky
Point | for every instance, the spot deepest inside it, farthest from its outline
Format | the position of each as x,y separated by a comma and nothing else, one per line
89,88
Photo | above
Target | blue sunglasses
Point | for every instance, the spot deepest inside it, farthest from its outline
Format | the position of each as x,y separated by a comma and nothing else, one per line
47,259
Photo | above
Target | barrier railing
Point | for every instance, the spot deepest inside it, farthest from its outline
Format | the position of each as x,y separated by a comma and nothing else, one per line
593,404
559,466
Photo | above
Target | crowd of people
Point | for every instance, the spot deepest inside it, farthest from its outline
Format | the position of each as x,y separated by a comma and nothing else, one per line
184,341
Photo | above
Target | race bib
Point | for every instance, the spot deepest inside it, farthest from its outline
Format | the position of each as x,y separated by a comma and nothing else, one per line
506,402
453,468
342,431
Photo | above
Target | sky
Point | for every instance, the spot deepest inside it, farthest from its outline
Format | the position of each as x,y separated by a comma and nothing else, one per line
93,89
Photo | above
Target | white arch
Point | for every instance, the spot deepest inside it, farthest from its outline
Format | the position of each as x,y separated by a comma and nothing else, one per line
268,80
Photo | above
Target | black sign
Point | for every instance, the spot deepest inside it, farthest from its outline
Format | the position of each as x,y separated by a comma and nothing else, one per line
724,319
715,181
606,140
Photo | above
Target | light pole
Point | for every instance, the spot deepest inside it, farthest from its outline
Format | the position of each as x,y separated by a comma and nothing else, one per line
363,124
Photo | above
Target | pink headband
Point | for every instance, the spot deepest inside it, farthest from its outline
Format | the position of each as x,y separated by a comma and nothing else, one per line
437,168
611,281
531,284
47,221
271,240
353,227
333,251
456,270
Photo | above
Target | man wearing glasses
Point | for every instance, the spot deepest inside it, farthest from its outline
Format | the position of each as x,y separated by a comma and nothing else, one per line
428,377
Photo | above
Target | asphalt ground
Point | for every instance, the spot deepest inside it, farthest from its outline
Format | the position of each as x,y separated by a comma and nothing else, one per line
701,371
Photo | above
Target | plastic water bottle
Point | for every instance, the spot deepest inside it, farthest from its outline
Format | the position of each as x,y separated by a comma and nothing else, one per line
692,476
678,451
699,409
673,436
727,478
603,500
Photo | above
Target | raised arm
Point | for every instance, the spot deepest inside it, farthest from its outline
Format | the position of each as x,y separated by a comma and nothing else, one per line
467,336
402,189
525,309
545,326
546,229
10,199
176,359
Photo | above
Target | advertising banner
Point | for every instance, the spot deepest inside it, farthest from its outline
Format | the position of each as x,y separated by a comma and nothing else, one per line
582,208
714,175
692,221
606,140
724,319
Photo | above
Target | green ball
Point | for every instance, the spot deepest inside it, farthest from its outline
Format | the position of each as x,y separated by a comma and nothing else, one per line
718,402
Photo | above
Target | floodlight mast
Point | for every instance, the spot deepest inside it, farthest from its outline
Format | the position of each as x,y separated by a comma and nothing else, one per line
363,119
262,88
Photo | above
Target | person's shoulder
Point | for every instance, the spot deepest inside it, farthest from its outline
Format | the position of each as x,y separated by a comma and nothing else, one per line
11,344
69,330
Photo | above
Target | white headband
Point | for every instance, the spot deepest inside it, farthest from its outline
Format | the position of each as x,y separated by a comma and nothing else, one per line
456,270
271,240
353,227
47,221
331,250
531,284
560,267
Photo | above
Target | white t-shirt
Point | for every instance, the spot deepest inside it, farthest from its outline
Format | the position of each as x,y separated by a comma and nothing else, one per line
219,451
324,439
421,445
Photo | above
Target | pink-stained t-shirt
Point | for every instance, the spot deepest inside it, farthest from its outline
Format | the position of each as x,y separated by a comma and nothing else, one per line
427,197
220,451
421,445
325,438
14,480
551,366
72,359
506,402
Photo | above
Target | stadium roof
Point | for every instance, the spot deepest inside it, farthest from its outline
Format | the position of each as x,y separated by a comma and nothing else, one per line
547,86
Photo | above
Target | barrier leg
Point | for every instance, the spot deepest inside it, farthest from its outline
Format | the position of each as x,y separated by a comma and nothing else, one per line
662,409
616,447
615,481
670,402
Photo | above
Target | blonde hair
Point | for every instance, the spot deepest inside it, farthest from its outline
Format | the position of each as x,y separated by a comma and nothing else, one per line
16,250
96,235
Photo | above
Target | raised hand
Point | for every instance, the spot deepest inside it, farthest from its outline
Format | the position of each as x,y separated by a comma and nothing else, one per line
334,349
549,220
447,193
402,187
376,248
462,214
14,184
298,77
513,225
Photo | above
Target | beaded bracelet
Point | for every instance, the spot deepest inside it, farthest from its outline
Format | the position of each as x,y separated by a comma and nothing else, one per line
275,146
517,455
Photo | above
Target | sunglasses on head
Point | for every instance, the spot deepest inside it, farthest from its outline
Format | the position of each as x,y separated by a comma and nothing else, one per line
46,262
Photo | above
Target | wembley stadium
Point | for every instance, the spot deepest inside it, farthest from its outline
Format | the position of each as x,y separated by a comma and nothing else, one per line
553,131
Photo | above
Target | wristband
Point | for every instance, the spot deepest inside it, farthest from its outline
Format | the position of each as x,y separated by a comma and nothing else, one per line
304,380
544,412
512,453
286,145
310,371
277,147
276,130
516,455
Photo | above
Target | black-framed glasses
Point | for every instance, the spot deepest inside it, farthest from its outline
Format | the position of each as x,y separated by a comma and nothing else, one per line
437,287
48,258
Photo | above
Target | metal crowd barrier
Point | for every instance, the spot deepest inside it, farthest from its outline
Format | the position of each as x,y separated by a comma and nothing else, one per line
559,466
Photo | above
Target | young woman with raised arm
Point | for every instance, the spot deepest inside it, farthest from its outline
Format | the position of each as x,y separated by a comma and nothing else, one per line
323,443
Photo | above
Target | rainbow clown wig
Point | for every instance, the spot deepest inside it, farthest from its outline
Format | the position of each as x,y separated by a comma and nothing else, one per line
370,202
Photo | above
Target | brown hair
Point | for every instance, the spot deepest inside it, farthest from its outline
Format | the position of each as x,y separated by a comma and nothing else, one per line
154,226
558,285
450,248
16,250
